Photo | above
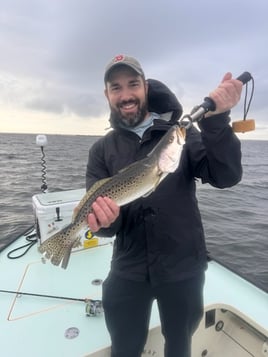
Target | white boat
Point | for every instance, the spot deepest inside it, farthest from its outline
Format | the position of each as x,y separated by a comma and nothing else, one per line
48,311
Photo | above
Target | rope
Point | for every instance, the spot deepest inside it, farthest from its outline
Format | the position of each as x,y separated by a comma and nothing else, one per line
31,239
247,106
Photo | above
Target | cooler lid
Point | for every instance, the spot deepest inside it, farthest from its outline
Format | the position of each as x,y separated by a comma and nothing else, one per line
60,197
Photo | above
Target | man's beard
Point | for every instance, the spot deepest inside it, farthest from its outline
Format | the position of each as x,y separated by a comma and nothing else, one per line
131,120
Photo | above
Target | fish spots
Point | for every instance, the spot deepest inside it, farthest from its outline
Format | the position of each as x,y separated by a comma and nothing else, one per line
137,180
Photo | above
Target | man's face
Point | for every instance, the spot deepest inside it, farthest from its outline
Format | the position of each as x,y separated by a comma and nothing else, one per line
126,92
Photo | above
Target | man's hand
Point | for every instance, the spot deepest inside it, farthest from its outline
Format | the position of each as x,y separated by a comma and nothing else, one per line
105,212
226,95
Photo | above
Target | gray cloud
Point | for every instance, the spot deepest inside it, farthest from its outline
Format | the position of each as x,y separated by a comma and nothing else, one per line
187,44
64,100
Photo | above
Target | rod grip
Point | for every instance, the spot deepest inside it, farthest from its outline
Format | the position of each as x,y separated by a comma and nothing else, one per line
209,104
244,77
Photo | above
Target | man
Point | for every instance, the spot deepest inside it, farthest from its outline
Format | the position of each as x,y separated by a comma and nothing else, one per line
159,250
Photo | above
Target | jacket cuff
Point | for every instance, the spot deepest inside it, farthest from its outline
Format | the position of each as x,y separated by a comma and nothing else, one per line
215,122
110,231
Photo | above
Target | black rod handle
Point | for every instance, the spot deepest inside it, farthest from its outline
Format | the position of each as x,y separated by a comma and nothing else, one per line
244,77
209,104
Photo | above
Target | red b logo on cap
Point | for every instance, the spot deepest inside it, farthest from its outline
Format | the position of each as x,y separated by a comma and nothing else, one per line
118,58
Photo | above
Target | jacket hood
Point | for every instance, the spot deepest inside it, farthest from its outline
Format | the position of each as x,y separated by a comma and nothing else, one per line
160,100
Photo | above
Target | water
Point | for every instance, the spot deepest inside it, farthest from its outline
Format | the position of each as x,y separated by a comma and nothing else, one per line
20,174
235,219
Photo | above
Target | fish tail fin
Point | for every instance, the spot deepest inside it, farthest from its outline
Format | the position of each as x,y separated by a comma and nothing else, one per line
58,248
67,253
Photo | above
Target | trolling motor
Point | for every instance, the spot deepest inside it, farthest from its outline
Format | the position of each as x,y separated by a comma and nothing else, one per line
41,140
240,126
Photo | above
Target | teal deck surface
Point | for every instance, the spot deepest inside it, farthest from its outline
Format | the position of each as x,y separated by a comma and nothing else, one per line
36,326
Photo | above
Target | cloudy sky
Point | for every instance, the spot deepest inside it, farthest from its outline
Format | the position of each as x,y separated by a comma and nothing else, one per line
53,54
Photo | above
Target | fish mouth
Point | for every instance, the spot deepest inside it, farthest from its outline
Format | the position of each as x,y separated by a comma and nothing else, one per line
181,134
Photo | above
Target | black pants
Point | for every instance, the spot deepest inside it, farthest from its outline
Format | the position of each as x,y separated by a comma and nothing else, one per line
127,307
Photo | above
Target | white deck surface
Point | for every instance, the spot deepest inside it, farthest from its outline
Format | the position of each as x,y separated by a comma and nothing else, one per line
35,327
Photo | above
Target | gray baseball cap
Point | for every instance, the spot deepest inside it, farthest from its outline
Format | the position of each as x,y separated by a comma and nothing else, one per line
123,60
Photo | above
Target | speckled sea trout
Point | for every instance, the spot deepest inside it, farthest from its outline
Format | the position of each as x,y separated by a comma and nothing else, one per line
136,180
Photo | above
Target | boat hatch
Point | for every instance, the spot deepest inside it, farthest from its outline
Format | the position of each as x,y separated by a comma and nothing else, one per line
221,333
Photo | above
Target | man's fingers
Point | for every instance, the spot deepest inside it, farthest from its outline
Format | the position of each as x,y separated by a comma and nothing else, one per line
93,223
105,212
226,77
113,207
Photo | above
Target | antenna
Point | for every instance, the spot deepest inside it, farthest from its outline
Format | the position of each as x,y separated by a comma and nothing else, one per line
41,140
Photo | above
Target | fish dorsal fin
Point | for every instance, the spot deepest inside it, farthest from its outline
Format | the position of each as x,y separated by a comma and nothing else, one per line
143,162
92,189
124,168
127,167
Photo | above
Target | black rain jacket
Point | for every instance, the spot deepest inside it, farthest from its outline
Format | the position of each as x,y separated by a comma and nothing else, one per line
160,238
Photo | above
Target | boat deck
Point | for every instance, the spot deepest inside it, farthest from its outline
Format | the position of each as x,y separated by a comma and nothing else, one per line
45,326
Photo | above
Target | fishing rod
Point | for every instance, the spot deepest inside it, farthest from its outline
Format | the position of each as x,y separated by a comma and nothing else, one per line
209,105
93,307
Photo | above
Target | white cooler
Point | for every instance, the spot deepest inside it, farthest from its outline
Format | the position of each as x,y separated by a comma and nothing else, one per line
54,210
